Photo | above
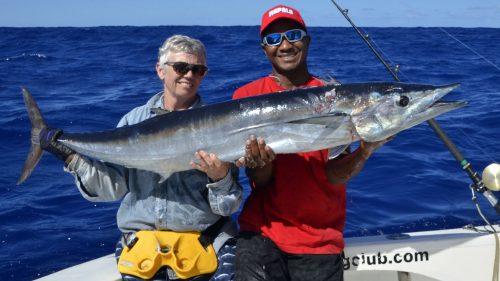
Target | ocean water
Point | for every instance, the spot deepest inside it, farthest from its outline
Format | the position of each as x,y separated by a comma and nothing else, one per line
85,79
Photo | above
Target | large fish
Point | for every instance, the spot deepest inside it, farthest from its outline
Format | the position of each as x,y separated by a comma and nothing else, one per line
290,121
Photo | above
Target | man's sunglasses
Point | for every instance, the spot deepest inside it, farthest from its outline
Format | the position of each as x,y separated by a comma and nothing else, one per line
292,35
184,67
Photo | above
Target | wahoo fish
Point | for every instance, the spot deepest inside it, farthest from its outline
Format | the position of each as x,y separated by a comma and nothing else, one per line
300,120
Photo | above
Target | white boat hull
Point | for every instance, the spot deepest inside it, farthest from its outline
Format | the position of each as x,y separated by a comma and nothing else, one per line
447,255
454,254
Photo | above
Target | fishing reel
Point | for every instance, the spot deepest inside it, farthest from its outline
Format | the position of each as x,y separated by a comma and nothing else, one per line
491,177
490,181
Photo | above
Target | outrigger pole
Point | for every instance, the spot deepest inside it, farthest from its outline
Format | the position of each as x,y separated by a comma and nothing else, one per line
477,182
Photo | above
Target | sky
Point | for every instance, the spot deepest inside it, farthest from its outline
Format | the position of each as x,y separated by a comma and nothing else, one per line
365,13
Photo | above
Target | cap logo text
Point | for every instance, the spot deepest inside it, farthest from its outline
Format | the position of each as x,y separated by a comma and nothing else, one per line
280,10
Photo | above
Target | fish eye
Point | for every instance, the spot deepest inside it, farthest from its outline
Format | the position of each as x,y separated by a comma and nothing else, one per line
403,101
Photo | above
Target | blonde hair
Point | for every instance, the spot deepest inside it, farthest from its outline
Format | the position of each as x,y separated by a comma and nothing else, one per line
181,43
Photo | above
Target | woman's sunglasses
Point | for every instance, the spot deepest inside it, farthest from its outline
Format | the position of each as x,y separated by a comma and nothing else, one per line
184,67
292,35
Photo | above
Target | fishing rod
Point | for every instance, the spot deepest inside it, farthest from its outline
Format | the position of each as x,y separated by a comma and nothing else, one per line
477,182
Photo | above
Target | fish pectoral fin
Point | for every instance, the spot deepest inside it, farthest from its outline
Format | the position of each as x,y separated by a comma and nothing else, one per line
164,177
333,120
334,152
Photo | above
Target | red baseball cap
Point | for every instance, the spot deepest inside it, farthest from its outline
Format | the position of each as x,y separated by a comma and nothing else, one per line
280,12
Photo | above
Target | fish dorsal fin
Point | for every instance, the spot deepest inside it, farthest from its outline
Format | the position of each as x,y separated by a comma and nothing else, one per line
159,111
329,79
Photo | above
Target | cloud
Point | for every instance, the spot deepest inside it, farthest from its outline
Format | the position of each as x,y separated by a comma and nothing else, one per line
484,8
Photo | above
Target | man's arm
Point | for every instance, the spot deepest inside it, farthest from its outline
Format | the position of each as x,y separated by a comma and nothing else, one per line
226,195
339,170
97,181
224,190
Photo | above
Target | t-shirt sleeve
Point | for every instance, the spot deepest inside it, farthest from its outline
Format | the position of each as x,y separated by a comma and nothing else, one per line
240,93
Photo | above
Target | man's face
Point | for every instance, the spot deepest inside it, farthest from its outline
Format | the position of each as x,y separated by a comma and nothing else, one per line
286,57
180,86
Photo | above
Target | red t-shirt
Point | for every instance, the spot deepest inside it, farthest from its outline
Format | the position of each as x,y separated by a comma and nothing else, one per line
300,211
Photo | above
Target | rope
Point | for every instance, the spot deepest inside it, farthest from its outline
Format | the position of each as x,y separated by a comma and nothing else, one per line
495,234
472,50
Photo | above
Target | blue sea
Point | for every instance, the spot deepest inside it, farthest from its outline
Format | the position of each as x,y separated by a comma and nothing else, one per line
85,79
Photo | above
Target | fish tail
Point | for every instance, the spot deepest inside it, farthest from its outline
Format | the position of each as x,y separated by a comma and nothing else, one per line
37,124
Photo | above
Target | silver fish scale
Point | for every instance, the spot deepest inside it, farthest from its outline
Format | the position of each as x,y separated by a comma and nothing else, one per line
294,121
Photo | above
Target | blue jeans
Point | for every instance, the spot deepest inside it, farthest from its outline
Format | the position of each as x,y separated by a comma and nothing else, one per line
224,272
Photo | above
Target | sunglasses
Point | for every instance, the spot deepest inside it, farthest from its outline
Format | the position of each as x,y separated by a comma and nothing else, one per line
184,67
275,39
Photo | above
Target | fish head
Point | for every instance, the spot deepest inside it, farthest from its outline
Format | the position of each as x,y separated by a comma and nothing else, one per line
389,108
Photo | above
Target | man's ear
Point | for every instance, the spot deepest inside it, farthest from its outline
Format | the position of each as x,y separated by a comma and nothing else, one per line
307,39
160,71
263,46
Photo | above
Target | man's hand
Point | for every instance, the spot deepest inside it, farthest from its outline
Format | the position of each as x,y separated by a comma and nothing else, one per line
367,148
48,142
210,164
257,154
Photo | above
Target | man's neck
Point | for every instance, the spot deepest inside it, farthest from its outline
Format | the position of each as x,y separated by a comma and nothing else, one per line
173,103
291,80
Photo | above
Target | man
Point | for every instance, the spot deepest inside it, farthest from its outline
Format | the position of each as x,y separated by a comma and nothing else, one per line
291,226
198,200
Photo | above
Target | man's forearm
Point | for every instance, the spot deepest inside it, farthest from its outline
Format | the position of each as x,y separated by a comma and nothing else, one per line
261,176
340,170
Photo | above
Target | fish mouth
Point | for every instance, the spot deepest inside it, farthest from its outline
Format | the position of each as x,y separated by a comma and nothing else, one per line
448,105
439,106
441,91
